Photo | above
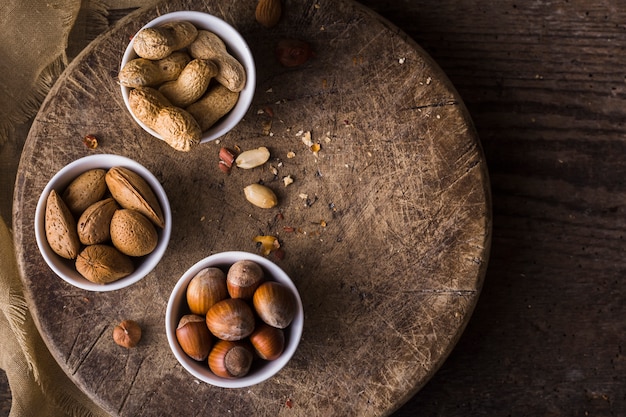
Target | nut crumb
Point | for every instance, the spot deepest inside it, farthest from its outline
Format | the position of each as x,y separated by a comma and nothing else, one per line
288,180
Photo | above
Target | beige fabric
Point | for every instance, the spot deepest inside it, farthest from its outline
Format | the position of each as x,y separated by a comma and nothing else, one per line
40,37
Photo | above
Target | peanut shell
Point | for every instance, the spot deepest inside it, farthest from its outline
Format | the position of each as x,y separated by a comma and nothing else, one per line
132,233
85,190
103,264
60,227
94,225
133,192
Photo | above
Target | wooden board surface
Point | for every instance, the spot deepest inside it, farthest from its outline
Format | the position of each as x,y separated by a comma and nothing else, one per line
400,183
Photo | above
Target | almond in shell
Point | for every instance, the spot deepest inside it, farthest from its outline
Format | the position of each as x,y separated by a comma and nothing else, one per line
84,190
60,227
132,233
133,192
103,264
94,225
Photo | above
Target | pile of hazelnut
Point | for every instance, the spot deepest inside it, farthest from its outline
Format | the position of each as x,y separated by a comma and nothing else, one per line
235,318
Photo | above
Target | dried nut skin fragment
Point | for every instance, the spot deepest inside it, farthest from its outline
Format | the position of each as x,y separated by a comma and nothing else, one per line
208,45
142,72
213,105
60,227
260,195
253,158
103,264
159,42
191,84
243,278
132,233
133,192
94,225
85,190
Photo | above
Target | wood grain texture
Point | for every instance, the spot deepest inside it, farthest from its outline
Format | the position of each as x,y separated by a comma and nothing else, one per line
544,82
388,282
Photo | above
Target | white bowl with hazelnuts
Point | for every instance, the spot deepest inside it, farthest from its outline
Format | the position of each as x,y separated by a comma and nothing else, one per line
187,77
234,319
103,222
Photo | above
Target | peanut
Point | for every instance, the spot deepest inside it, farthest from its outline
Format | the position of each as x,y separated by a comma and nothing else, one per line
214,105
191,84
159,42
142,72
176,126
208,45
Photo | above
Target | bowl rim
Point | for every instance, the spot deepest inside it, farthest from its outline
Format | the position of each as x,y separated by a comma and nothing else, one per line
231,38
198,369
59,181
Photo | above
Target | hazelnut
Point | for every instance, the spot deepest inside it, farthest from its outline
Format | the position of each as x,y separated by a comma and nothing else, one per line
127,334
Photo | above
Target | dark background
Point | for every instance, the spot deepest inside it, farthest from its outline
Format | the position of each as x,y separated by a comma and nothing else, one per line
545,83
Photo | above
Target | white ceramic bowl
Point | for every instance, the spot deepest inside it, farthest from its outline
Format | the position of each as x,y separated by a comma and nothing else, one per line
65,268
237,47
261,370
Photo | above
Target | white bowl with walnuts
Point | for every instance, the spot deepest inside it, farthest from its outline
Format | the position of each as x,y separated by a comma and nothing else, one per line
234,319
103,222
187,77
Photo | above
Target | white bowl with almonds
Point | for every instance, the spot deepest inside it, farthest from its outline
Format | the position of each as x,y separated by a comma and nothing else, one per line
103,222
187,77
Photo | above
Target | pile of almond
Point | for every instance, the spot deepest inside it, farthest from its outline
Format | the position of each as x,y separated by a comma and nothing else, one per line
103,220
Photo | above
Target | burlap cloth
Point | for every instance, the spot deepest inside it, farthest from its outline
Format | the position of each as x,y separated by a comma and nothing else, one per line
39,39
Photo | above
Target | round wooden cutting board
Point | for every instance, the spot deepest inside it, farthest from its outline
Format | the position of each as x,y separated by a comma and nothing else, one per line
385,231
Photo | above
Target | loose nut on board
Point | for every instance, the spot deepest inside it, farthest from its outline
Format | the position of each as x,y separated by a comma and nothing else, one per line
292,52
132,233
260,195
214,105
159,42
268,12
94,225
253,158
191,84
102,264
85,190
127,334
133,192
208,45
61,227
176,126
142,72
